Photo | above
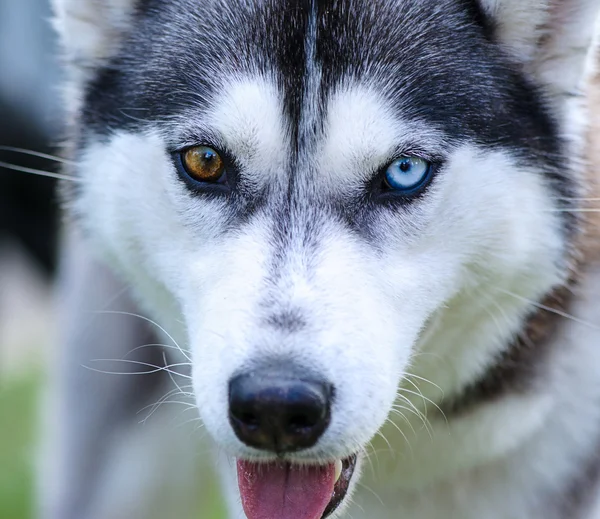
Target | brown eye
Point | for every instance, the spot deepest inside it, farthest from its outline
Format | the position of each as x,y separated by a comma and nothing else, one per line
203,164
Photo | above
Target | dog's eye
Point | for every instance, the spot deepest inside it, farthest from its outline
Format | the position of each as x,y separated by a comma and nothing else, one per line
407,175
203,164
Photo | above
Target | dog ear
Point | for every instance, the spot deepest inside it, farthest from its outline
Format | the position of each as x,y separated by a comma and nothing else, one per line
91,30
552,39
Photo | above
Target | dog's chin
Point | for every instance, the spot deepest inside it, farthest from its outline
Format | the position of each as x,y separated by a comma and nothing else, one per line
286,490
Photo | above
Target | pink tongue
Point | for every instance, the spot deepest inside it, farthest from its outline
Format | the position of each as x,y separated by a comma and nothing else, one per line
283,491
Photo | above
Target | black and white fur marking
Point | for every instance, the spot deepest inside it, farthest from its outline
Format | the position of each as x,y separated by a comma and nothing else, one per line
405,305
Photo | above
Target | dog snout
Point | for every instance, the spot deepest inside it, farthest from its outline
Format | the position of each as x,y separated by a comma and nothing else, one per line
279,411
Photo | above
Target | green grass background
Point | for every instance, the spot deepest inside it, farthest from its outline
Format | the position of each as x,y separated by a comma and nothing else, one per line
18,400
18,412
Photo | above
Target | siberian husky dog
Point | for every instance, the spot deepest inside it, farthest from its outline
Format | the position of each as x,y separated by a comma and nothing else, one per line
365,231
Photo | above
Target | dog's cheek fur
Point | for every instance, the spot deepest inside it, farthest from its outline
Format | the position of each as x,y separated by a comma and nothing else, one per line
496,216
130,203
492,229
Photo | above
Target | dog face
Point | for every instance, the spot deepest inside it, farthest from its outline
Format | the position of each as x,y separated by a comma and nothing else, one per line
315,183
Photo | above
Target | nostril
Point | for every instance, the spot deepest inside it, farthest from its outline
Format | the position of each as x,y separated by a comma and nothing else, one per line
249,419
301,421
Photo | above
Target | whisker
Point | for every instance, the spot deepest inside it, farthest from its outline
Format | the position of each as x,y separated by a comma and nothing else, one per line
372,492
424,421
352,501
435,356
396,411
550,309
368,457
416,411
412,405
170,374
411,375
140,363
134,118
147,319
34,153
426,399
122,372
39,172
173,392
191,420
402,433
419,391
107,303
501,313
177,402
154,407
154,345
379,433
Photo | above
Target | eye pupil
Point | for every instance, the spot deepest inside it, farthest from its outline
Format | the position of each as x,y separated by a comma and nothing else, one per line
405,166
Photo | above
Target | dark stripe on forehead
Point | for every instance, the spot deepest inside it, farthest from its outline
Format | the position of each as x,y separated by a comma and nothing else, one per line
280,37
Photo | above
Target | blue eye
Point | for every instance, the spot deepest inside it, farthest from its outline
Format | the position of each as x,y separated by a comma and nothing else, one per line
408,174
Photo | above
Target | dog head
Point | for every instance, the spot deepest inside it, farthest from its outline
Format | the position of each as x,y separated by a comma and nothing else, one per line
309,186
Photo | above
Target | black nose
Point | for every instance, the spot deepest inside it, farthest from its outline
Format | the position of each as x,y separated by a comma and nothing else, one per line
279,410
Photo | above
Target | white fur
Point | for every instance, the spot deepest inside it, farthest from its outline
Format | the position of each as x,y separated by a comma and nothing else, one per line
248,117
362,136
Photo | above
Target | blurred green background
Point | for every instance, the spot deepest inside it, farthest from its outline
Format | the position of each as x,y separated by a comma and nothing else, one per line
18,399
19,406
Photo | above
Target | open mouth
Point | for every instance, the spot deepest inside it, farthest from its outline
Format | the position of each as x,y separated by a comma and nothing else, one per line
281,490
